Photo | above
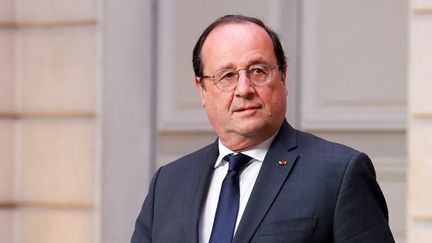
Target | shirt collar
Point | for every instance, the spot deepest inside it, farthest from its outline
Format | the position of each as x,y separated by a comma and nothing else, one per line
258,152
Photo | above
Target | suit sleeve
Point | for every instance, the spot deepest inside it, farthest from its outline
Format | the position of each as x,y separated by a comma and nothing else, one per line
361,212
144,222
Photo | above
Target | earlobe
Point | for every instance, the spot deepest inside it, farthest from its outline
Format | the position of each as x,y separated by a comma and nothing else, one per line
202,97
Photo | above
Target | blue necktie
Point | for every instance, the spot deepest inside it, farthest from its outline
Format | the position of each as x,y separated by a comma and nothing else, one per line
228,204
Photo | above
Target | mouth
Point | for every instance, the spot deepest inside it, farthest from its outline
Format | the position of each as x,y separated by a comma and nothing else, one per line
247,109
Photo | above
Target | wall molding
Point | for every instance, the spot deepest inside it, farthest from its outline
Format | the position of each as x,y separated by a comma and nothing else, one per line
48,24
421,218
46,115
46,204
418,115
422,10
170,117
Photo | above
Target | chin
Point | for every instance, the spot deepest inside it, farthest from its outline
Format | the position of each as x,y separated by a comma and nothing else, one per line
253,129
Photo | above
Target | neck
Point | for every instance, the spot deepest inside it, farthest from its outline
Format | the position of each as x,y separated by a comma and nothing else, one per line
238,143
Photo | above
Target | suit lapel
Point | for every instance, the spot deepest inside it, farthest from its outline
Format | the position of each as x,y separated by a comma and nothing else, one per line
276,167
204,172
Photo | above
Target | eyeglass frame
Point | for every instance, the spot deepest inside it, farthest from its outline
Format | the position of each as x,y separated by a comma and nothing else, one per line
237,72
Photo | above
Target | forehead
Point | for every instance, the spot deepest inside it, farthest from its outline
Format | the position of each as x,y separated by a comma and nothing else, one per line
236,41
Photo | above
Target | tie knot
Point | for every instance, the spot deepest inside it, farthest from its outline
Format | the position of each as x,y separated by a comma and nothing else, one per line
237,161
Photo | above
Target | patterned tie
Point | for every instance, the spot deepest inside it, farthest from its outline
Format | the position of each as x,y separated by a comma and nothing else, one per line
228,205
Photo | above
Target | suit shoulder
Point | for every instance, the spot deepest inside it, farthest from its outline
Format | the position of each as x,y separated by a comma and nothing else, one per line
331,158
324,148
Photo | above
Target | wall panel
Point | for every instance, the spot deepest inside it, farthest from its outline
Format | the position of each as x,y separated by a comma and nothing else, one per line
353,86
43,11
56,161
57,69
55,225
7,42
6,225
7,175
352,75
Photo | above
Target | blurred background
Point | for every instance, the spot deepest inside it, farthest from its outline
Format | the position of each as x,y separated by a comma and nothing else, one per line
97,94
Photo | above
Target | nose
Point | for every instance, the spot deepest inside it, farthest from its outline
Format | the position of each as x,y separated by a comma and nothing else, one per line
244,86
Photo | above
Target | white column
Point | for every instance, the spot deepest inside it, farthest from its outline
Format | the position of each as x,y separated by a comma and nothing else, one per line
128,114
419,218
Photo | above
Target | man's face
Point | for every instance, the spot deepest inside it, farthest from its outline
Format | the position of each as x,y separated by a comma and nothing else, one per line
247,115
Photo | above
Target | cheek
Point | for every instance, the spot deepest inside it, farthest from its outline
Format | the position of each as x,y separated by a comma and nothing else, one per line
275,98
217,105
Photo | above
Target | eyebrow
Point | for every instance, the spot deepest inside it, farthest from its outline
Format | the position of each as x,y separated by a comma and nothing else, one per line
225,67
258,60
254,61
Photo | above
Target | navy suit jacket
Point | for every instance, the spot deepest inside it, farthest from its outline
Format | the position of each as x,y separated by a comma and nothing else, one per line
326,192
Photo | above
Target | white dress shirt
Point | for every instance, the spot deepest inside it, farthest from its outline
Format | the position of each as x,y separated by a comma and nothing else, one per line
247,180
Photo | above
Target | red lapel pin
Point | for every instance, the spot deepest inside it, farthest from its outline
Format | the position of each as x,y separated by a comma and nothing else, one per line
282,162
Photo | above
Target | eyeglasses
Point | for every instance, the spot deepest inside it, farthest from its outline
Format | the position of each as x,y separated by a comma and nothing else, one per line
258,74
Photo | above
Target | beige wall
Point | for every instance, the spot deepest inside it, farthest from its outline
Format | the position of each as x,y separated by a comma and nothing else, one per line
48,62
419,218
75,134
94,95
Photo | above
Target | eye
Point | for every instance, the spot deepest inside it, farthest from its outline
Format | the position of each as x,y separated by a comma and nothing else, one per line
257,70
228,75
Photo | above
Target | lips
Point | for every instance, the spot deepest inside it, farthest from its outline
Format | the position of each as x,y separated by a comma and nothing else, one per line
247,108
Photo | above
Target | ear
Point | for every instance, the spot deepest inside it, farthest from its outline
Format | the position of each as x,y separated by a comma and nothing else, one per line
201,90
283,75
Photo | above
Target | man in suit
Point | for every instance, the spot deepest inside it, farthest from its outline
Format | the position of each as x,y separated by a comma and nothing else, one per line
289,186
